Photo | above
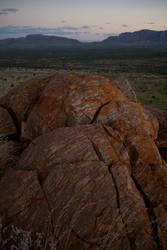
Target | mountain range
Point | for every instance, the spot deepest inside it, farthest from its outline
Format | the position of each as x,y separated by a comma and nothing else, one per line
137,37
39,40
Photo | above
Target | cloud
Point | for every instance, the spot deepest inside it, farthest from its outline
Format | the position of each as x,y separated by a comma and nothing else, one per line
150,23
124,25
81,33
70,28
85,27
20,31
10,10
7,11
3,13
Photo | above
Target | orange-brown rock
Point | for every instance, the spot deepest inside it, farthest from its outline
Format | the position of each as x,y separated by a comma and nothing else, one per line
8,145
81,184
161,116
7,126
88,175
70,99
20,100
123,84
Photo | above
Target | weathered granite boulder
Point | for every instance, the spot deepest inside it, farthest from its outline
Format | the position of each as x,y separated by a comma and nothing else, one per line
161,141
88,173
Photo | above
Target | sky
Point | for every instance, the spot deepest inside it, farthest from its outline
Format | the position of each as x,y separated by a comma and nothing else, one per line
85,20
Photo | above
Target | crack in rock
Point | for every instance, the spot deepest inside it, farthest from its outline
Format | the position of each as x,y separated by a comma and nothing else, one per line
47,202
151,213
98,111
97,151
13,137
15,121
132,244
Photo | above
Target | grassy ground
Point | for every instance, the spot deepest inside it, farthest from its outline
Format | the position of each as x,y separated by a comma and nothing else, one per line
11,77
146,69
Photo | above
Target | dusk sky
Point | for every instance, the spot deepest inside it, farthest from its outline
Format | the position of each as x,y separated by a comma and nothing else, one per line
85,20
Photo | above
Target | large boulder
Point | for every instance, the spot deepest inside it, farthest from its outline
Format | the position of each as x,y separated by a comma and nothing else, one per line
88,174
161,141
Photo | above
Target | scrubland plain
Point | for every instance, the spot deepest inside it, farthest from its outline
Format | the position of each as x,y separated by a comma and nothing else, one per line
144,67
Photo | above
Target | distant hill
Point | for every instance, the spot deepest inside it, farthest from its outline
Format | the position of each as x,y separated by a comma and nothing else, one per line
38,40
149,36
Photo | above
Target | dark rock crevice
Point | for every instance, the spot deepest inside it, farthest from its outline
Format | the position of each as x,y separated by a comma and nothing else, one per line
150,209
163,153
15,121
131,243
97,151
12,137
116,188
107,131
98,111
47,202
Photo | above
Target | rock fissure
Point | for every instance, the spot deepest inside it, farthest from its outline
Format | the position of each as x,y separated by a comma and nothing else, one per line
116,188
97,151
98,111
47,202
150,211
12,137
109,134
132,244
89,119
15,121
163,153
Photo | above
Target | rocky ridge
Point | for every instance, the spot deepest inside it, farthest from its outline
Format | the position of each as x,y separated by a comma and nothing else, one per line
145,35
80,167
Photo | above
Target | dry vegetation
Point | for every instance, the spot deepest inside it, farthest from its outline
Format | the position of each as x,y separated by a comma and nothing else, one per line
11,77
145,68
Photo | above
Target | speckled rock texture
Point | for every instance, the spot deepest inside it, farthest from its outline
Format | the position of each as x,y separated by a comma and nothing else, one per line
86,170
123,84
161,141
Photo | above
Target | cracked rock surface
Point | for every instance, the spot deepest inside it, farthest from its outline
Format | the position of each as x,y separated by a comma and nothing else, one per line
161,116
80,168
